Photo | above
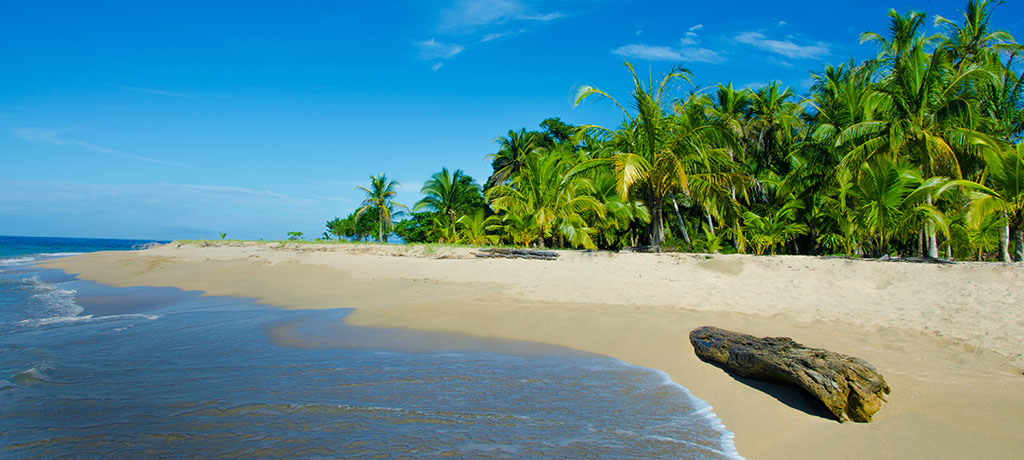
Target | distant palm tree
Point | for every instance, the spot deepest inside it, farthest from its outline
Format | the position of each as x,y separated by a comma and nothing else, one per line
380,196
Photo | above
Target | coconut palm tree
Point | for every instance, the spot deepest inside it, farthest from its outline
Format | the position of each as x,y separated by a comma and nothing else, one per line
926,114
474,228
974,41
450,194
552,196
773,229
512,153
380,197
774,117
890,201
1005,195
646,165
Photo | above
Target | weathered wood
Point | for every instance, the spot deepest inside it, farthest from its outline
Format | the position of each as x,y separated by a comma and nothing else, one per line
505,253
513,256
849,387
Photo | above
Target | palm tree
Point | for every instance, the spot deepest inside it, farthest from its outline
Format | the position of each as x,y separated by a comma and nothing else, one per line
773,121
552,196
654,147
474,228
1005,196
622,216
926,114
511,157
380,196
974,41
451,194
890,200
774,229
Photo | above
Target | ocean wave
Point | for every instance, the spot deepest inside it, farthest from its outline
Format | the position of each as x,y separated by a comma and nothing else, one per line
85,319
33,375
29,258
17,261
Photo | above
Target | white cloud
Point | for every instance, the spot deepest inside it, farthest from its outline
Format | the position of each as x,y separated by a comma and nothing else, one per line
541,17
433,49
436,67
701,55
653,53
782,23
780,62
784,47
696,27
494,36
664,53
470,15
689,40
52,137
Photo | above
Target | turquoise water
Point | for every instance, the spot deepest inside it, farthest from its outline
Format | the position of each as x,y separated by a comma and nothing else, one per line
90,371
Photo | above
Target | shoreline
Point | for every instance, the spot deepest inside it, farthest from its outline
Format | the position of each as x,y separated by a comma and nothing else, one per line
946,338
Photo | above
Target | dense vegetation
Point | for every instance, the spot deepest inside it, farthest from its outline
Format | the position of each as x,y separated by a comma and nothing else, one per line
915,152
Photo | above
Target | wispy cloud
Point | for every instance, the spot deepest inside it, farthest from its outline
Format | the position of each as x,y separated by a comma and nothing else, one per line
436,66
664,53
467,16
433,49
158,92
541,17
52,137
786,48
695,28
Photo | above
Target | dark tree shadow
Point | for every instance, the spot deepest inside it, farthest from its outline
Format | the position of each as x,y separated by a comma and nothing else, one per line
792,396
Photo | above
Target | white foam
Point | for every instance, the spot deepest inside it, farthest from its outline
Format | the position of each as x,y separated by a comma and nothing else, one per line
86,319
17,261
703,410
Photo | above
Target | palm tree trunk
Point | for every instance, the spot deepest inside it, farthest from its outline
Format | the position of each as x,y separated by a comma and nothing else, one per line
920,243
657,226
711,226
1018,250
380,228
1004,242
933,244
686,235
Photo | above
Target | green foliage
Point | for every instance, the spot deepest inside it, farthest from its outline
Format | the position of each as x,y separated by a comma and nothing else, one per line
915,150
354,227
294,236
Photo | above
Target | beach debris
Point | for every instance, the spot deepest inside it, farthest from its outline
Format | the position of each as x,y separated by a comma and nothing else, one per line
504,253
850,387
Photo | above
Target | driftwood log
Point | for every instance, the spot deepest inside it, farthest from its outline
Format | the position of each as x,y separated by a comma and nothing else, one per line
503,253
849,387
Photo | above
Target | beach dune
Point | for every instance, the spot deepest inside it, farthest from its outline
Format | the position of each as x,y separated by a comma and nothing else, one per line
949,339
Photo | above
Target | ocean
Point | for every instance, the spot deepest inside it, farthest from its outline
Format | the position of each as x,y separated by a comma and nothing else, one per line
93,371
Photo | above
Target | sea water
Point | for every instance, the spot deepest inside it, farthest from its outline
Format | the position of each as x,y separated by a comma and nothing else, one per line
90,371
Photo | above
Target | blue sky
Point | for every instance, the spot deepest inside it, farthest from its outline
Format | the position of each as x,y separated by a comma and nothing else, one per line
187,119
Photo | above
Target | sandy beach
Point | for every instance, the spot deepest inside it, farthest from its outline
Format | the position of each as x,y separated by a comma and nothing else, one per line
949,339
